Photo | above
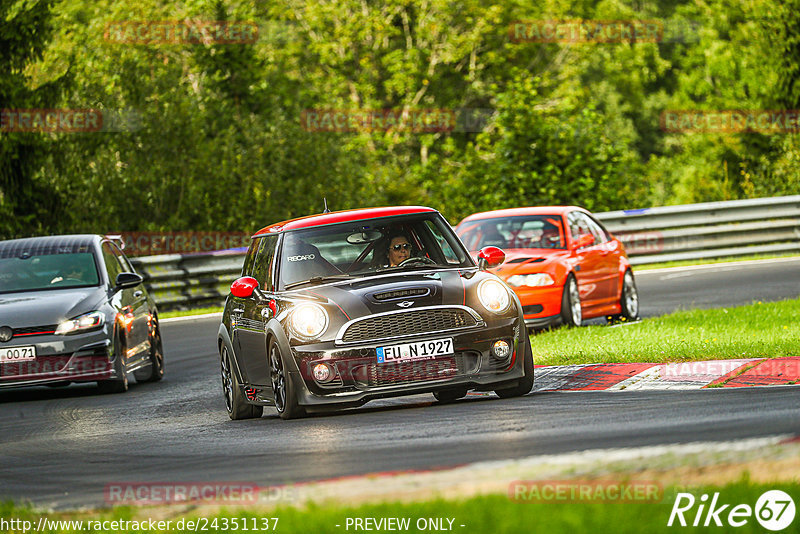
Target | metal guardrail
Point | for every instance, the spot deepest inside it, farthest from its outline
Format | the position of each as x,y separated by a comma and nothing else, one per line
669,233
708,230
189,280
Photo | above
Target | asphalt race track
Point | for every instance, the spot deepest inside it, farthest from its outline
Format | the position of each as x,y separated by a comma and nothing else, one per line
60,447
724,284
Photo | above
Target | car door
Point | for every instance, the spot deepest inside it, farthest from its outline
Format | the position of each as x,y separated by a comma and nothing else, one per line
589,261
610,252
122,301
139,307
251,326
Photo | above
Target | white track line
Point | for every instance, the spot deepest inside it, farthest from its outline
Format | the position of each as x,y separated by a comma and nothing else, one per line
190,317
716,265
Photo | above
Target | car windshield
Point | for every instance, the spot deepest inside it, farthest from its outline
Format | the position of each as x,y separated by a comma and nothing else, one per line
531,231
362,248
48,271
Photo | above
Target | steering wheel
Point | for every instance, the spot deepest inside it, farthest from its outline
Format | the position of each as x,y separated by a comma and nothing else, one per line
421,259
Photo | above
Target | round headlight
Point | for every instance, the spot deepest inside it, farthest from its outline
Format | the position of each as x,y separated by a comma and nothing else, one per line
308,321
494,296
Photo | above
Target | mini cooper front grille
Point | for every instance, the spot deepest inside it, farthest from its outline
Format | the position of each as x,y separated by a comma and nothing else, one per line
402,293
408,323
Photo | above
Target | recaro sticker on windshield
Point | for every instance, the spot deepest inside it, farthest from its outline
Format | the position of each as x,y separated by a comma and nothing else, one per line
301,258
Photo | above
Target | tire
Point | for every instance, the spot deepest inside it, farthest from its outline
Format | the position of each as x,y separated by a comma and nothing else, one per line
629,298
235,402
571,314
282,386
526,382
155,371
119,384
447,396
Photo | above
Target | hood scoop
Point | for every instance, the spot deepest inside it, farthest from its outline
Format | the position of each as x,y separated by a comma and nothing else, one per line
397,294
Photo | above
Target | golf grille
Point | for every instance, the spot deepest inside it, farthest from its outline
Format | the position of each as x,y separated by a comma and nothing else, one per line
408,323
35,330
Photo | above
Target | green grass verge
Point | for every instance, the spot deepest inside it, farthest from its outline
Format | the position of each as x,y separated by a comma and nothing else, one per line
760,330
186,313
496,514
710,261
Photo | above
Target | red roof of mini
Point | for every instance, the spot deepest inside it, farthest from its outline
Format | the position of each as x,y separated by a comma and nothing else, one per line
335,217
516,212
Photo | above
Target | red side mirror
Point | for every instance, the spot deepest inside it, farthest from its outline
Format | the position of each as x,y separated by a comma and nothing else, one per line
490,257
243,287
584,241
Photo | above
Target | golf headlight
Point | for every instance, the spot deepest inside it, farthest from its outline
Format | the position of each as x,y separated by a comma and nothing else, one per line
87,321
531,280
494,296
308,321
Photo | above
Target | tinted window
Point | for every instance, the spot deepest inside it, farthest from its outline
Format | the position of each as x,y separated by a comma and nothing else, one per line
250,258
264,262
112,263
121,258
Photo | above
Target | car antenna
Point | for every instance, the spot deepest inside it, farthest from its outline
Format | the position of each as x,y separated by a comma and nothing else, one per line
325,201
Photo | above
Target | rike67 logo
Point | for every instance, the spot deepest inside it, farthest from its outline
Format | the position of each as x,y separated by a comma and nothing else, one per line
774,510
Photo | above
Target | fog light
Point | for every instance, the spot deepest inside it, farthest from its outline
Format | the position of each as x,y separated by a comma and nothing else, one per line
322,373
501,349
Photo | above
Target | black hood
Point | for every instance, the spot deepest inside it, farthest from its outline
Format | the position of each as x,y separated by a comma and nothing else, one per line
393,292
35,308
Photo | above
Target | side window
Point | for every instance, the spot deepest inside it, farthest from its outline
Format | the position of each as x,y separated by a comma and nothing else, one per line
600,234
575,229
593,228
113,266
250,258
265,258
122,259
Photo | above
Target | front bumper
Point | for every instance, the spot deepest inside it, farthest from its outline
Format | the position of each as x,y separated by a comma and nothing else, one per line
84,357
359,377
541,306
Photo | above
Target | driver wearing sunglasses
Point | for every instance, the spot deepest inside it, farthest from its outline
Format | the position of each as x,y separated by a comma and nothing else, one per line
399,250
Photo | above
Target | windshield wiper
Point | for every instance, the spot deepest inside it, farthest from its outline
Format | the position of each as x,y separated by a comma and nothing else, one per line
318,280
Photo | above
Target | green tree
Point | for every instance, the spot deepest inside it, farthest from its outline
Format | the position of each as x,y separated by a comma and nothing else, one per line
27,201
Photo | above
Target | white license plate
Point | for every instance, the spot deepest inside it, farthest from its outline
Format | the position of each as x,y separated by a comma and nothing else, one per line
18,354
421,350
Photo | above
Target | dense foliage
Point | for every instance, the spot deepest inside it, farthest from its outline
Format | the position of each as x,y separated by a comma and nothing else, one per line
209,136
